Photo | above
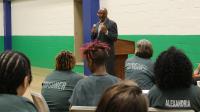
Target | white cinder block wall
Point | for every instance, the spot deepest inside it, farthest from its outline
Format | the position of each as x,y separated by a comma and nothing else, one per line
155,16
1,18
42,17
55,17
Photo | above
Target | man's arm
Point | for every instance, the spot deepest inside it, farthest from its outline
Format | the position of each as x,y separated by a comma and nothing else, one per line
93,33
112,33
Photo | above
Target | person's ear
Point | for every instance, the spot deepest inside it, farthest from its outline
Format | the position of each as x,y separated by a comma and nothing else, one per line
26,82
22,88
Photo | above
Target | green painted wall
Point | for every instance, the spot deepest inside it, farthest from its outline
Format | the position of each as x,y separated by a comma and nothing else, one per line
188,43
1,43
43,49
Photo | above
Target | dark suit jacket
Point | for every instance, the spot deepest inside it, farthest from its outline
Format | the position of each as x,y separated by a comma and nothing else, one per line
109,39
112,33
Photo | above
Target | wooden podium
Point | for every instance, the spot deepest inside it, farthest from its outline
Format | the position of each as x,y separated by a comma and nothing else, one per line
122,49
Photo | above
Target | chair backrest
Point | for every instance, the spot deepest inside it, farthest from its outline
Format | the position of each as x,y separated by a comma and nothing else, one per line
82,109
151,109
40,102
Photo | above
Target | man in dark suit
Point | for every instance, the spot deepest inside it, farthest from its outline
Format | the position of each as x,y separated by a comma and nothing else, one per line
106,31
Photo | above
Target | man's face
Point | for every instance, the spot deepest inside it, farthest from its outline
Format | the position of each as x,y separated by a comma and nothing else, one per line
102,15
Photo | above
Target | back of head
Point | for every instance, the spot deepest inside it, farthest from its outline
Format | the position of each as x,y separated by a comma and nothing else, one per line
123,97
144,49
173,69
14,67
65,61
96,53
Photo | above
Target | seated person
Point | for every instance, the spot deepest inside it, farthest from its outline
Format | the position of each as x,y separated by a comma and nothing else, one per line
140,67
123,97
58,85
174,88
197,71
15,78
89,90
196,75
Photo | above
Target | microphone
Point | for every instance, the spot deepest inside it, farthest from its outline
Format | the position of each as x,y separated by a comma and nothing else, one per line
94,25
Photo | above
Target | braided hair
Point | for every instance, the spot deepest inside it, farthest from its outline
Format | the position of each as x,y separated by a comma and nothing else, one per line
14,67
96,53
65,61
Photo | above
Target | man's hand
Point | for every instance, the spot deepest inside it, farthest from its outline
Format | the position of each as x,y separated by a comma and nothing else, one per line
94,30
104,29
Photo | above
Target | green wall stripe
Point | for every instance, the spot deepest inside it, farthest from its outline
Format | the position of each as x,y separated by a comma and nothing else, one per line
43,49
188,43
1,43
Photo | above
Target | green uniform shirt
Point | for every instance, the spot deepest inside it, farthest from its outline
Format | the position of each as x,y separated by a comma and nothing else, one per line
188,98
14,103
88,91
57,89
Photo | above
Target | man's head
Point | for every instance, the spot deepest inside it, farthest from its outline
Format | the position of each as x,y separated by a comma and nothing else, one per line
102,14
144,49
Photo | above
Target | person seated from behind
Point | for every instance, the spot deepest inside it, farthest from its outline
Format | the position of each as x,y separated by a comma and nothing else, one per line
58,86
140,67
89,90
196,75
174,88
125,96
197,71
15,78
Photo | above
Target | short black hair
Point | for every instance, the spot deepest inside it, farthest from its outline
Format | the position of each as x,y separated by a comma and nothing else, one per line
173,69
14,67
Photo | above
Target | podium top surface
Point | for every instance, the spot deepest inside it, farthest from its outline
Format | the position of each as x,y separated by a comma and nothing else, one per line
123,47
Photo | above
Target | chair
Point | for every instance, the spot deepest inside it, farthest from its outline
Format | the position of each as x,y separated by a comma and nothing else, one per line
151,109
40,102
82,109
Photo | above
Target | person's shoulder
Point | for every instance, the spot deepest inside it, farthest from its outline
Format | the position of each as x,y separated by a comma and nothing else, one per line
151,61
77,75
28,102
195,89
144,60
154,90
130,59
83,80
113,77
52,74
13,97
111,20
21,103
